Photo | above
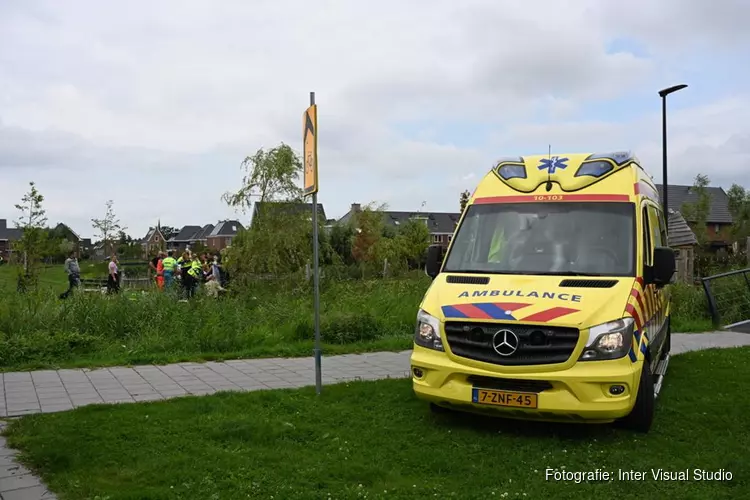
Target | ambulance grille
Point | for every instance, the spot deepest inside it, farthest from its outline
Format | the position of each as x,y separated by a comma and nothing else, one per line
538,345
468,280
588,283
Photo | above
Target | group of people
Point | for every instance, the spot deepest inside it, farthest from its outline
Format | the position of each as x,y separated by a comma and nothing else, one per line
191,270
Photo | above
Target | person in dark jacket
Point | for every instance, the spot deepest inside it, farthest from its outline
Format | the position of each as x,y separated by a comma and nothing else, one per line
73,271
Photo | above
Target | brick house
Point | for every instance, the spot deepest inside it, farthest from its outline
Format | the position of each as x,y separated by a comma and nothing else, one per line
153,242
188,236
719,220
222,234
62,230
7,236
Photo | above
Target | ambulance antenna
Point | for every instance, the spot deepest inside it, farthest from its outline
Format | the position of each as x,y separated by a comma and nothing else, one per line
548,187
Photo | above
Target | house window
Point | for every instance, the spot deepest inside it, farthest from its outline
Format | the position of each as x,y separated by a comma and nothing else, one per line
450,238
436,238
717,228
234,229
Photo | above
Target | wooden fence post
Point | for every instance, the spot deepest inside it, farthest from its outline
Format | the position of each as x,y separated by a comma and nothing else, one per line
307,270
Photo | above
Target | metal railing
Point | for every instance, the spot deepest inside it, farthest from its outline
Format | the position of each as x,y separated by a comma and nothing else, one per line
728,297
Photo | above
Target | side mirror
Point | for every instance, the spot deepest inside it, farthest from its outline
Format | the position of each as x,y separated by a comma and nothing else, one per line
665,266
434,261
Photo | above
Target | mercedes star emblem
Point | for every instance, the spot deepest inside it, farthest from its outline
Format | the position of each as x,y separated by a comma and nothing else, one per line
505,342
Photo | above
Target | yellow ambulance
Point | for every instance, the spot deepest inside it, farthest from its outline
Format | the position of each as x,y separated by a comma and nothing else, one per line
552,301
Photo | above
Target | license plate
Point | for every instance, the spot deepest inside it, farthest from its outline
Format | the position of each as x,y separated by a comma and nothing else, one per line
504,398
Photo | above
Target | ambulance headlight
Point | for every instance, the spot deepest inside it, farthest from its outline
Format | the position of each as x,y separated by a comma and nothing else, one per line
427,332
611,340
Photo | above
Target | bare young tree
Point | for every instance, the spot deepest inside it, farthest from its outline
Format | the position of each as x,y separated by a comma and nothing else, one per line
108,227
32,221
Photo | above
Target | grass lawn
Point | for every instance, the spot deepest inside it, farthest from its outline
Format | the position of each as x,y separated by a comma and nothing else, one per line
375,440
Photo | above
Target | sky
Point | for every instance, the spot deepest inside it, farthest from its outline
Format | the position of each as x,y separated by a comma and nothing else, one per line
154,105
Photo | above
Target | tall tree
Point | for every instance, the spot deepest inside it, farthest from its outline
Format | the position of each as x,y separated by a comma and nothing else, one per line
464,200
279,239
269,176
412,240
737,199
32,220
367,245
341,242
108,227
739,206
696,214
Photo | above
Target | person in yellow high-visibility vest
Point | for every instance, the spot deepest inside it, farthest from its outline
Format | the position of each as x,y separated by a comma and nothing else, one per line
170,264
195,271
497,245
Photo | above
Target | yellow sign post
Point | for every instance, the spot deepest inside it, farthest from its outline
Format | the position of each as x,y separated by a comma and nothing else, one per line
310,155
310,152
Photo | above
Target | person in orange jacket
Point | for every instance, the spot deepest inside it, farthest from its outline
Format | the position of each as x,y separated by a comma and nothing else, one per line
160,271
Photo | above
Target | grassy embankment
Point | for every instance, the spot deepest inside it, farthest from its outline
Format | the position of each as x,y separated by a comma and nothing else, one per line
274,319
375,440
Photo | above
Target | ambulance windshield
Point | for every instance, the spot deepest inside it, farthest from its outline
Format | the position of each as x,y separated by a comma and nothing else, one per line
563,238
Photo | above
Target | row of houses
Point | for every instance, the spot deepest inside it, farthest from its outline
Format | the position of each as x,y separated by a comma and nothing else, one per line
443,224
214,237
10,234
440,224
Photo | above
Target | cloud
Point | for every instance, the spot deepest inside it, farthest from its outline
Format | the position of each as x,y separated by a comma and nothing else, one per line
155,105
710,139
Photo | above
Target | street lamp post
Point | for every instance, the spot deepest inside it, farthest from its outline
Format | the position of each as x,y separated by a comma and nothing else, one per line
663,94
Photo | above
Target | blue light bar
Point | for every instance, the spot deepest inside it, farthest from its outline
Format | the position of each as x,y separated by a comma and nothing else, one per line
594,169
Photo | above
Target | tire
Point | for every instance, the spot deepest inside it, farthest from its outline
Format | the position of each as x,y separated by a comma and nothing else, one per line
642,415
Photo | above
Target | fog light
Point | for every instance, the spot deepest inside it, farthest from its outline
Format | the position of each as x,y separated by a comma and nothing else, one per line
418,373
616,390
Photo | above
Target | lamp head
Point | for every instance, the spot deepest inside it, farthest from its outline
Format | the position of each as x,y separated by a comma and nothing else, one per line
669,90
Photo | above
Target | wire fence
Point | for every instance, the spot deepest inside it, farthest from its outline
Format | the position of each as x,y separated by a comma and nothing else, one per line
729,297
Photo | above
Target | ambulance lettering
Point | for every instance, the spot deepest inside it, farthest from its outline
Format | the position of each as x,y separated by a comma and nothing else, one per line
565,297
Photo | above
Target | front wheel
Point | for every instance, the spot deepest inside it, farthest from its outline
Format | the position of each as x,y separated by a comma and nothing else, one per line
642,415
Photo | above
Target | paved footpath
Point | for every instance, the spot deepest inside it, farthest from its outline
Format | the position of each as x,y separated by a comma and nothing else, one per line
47,391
